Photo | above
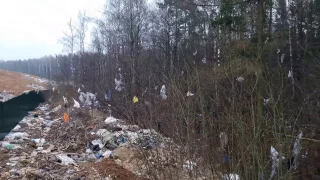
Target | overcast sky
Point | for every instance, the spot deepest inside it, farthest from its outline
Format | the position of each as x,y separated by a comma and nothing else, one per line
32,28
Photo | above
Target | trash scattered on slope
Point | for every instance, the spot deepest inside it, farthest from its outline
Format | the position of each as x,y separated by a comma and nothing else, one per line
8,145
16,128
110,120
17,135
76,104
38,142
65,160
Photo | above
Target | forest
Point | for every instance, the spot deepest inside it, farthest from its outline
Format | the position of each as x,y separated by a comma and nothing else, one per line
227,79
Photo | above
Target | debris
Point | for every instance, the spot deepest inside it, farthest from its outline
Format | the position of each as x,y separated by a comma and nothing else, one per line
8,145
290,74
66,117
297,149
195,53
88,99
119,84
189,94
97,142
48,122
204,60
107,154
76,104
282,58
65,100
240,79
110,120
56,109
189,165
231,177
266,101
16,128
223,140
163,92
49,149
135,99
38,142
17,135
65,160
275,161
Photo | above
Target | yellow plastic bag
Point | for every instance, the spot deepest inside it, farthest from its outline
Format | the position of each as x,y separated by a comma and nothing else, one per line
66,117
135,99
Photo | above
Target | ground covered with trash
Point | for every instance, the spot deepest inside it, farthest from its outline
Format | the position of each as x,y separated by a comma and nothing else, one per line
89,146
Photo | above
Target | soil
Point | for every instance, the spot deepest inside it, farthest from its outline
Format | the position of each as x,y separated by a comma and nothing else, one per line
16,83
108,168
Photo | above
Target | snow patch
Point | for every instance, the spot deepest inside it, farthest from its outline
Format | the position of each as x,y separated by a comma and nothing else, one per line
35,86
5,96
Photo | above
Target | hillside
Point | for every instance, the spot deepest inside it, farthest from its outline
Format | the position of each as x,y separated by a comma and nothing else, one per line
13,84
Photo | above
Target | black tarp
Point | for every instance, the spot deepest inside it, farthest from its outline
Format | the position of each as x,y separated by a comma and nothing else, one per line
13,111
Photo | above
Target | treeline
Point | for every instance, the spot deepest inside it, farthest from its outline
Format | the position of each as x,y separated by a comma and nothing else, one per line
252,66
150,44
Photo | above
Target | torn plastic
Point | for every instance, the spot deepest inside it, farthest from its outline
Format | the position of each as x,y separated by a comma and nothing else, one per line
275,161
135,99
76,104
110,120
65,160
231,177
163,92
240,79
189,94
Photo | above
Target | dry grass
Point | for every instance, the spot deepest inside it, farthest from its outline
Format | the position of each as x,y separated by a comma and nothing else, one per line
16,83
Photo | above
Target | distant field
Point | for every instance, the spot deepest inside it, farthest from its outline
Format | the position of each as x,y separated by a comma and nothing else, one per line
13,84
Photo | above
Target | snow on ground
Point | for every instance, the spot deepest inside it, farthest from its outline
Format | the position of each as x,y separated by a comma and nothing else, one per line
36,79
34,86
5,96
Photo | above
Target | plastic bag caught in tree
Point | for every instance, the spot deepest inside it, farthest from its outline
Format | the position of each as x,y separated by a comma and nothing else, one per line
240,79
275,161
189,94
204,60
297,149
163,92
135,99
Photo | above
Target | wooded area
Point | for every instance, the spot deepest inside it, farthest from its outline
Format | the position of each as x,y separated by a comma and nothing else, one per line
252,65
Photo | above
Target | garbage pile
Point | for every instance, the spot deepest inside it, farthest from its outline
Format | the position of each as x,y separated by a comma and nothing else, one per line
43,146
